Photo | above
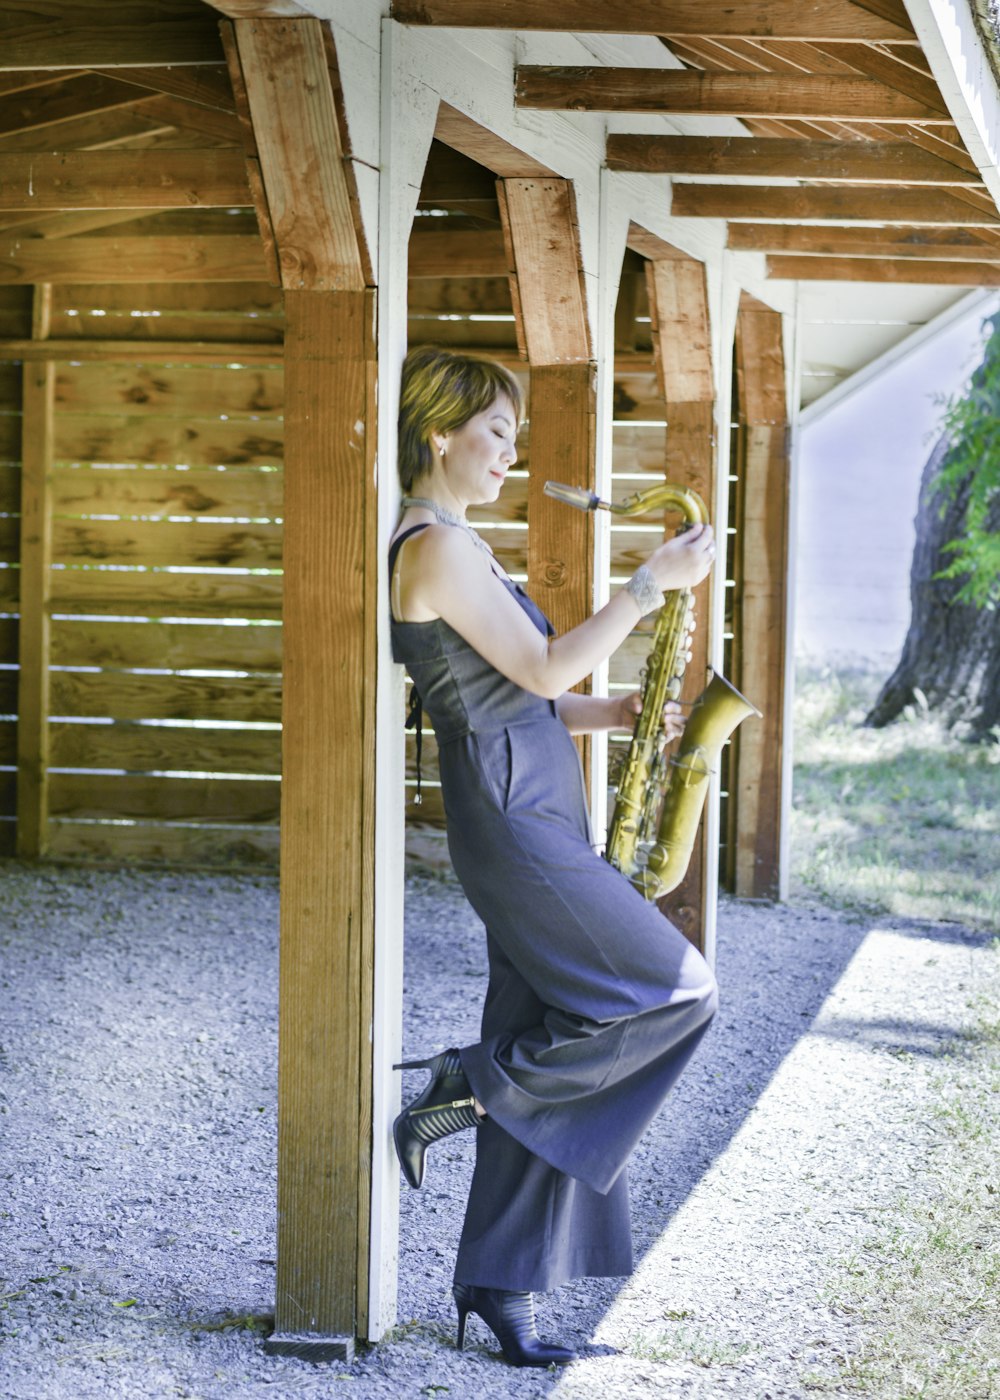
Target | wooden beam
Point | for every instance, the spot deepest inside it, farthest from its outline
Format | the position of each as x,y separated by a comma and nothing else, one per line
458,253
327,816
856,162
313,207
803,203
811,19
461,133
546,276
75,260
682,337
260,9
761,599
37,437
145,351
92,34
651,246
803,97
123,180
191,116
913,270
945,245
63,101
206,85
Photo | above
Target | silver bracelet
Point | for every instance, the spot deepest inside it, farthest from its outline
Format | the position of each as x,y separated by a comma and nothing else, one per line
645,590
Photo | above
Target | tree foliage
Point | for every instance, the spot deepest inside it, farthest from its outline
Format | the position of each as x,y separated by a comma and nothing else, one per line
972,467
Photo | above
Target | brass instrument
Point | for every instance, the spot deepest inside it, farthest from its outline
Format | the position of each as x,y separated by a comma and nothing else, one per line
659,800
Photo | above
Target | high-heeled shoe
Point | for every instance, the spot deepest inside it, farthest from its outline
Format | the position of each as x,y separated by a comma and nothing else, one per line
511,1318
445,1106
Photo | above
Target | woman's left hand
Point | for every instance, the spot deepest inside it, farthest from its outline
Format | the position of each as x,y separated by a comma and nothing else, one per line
673,717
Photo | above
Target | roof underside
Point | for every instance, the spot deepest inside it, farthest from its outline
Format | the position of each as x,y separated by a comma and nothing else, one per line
812,130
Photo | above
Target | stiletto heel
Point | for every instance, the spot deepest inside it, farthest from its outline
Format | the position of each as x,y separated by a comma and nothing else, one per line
511,1319
445,1106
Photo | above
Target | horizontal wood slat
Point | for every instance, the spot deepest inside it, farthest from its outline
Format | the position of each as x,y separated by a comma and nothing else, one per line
946,245
834,204
209,259
166,441
90,34
123,180
167,543
228,593
913,270
196,392
148,748
177,799
163,644
149,491
131,695
229,846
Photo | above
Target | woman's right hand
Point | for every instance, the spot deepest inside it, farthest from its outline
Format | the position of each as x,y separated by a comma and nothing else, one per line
685,560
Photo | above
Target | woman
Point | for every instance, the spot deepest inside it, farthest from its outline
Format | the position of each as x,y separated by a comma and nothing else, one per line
595,1001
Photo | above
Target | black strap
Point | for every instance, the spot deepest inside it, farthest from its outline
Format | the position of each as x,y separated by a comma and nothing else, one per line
415,710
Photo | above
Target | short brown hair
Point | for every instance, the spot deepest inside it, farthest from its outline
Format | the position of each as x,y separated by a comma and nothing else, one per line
440,391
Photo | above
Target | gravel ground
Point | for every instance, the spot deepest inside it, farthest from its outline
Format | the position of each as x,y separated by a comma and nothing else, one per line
137,1054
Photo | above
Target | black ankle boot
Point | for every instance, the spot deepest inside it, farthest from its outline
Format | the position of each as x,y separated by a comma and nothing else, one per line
445,1106
511,1317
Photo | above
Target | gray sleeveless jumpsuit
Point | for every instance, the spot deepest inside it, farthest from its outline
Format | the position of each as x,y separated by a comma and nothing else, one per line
595,1001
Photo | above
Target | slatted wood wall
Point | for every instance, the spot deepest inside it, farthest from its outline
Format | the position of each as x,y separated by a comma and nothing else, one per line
164,640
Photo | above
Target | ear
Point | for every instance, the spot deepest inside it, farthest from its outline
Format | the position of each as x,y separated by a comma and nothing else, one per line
439,442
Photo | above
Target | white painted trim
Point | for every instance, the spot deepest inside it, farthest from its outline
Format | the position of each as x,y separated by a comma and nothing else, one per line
985,301
961,67
793,359
408,113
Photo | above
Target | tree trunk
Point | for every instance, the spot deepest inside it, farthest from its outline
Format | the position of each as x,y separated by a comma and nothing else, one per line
952,650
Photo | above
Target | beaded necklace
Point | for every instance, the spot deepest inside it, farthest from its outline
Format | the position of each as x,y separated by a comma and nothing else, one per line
447,517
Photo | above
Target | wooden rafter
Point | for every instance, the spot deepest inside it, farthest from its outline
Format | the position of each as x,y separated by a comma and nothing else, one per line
952,274
943,245
90,33
829,20
206,85
63,101
25,261
832,204
542,242
123,180
664,91
461,133
854,162
458,253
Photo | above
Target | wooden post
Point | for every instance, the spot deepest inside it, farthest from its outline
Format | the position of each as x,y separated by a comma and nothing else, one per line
328,720
682,346
761,601
37,411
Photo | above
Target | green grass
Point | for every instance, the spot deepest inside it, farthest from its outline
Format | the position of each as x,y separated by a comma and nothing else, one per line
903,820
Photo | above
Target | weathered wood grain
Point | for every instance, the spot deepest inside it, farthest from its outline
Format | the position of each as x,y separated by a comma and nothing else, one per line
170,645
123,180
837,204
140,748
943,245
198,392
112,438
915,270
135,695
156,593
141,796
159,494
166,544
38,34
542,245
211,259
212,845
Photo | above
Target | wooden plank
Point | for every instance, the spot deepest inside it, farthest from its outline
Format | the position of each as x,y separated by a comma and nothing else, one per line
260,9
195,391
144,748
177,113
546,276
327,816
913,270
682,336
461,133
458,253
815,19
213,845
218,259
141,796
30,78
665,91
134,695
111,438
158,494
856,162
171,645
35,571
762,525
123,180
760,203
89,34
206,85
453,295
162,544
298,134
255,178
945,245
65,101
142,352
156,593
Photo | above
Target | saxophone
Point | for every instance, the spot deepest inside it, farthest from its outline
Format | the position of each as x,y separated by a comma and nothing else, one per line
660,799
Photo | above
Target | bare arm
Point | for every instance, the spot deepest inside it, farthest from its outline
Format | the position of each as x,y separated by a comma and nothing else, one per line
446,576
586,714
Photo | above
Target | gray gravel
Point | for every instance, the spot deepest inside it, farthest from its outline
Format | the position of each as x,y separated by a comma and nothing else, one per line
137,1112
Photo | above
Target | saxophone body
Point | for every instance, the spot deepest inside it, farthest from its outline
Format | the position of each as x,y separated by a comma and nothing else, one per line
660,797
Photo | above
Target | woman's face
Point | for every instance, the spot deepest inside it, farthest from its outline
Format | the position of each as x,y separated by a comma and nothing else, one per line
478,455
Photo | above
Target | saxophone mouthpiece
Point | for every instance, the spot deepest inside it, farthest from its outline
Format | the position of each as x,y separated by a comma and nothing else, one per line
577,496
